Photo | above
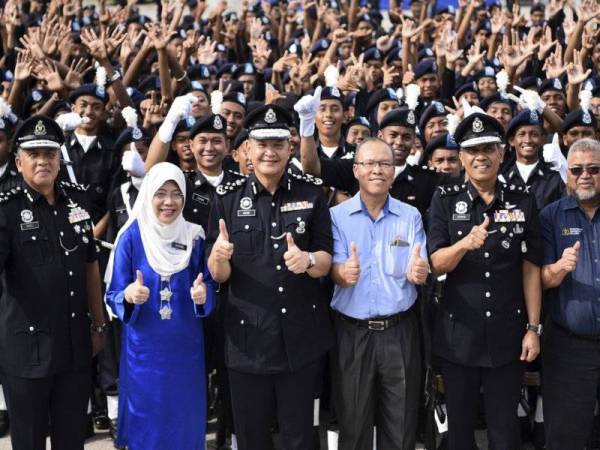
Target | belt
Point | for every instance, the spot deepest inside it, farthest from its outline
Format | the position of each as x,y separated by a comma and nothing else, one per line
377,323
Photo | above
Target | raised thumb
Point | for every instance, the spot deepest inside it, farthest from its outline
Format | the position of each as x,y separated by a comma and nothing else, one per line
223,230
140,278
198,280
353,251
577,246
290,240
486,222
416,251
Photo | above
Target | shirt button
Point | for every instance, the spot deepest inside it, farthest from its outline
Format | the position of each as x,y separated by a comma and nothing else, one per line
273,204
459,233
487,274
55,213
67,253
283,310
62,234
278,267
274,224
72,314
195,210
518,311
488,295
488,314
70,273
314,306
486,255
31,328
33,238
72,293
275,246
242,322
280,288
246,227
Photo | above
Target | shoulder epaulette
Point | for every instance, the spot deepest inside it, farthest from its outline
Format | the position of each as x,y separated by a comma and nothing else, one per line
74,186
231,186
451,189
235,173
9,193
306,178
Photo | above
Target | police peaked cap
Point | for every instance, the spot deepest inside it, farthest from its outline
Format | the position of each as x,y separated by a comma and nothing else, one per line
38,132
477,129
214,123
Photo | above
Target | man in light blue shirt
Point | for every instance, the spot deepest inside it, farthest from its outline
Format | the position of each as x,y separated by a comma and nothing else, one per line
379,256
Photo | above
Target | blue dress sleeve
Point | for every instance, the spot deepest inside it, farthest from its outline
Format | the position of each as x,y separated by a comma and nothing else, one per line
201,266
123,274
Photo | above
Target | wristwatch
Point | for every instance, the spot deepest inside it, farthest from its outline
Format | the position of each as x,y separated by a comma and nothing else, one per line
537,329
311,260
99,329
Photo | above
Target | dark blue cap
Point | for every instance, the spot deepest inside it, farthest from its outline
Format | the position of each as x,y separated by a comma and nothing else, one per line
320,45
425,67
525,117
551,84
90,89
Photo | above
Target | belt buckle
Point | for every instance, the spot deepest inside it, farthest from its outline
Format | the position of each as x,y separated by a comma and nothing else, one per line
376,325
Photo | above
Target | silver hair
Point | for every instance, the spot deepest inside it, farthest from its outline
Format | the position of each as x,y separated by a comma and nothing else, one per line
585,145
368,141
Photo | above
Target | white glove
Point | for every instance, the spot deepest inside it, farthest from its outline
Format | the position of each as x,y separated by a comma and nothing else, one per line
180,109
132,162
307,108
414,159
69,121
553,155
531,99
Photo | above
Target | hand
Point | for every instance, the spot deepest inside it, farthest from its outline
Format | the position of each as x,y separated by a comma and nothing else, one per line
588,10
286,62
260,54
530,346
553,66
351,269
476,238
24,65
96,44
206,51
77,71
136,293
546,43
408,77
222,249
307,108
390,76
155,111
271,94
98,342
69,121
47,71
554,7
575,72
568,260
418,268
295,259
198,290
159,35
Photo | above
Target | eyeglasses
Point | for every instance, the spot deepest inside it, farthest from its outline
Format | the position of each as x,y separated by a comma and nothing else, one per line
370,165
578,170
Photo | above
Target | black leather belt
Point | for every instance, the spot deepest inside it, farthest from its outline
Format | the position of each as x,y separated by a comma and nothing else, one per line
377,323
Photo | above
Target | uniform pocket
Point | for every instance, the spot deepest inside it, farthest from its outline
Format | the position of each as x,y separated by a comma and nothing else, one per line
32,342
396,259
36,248
247,236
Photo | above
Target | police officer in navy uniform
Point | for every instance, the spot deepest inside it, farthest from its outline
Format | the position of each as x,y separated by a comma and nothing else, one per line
528,169
270,236
88,151
485,236
51,309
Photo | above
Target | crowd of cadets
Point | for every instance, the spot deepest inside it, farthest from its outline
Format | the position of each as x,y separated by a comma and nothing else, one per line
116,80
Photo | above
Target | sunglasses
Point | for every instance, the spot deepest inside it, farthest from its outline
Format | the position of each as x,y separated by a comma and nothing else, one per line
578,170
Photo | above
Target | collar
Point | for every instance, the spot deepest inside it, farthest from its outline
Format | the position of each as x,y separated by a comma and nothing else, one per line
34,196
3,169
569,202
474,193
257,188
355,205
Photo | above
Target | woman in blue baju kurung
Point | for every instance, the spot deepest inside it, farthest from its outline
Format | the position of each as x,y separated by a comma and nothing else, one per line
159,287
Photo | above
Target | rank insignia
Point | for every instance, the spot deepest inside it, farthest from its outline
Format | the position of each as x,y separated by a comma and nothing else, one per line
301,228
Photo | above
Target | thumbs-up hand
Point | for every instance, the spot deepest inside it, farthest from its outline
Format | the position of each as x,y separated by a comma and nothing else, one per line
223,249
198,290
136,292
476,238
568,260
295,259
351,272
418,268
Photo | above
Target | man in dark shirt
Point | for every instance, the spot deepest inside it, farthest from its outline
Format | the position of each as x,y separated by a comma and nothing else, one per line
571,272
485,236
270,237
50,286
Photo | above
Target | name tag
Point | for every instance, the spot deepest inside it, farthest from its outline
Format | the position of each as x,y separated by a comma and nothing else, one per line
178,246
30,226
246,212
200,199
465,217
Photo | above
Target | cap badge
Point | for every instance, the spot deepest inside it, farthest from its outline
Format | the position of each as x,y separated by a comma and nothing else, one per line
587,119
241,98
137,133
335,92
477,125
439,107
36,96
270,116
557,84
533,116
40,128
217,123
410,118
